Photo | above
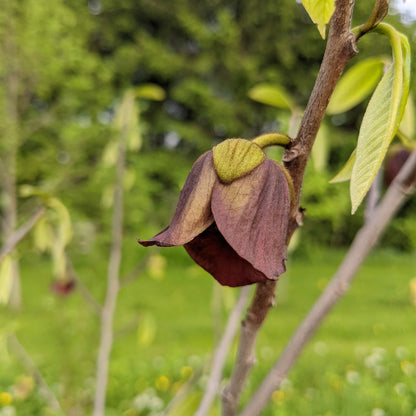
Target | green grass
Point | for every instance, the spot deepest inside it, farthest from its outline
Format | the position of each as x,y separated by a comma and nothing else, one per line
361,359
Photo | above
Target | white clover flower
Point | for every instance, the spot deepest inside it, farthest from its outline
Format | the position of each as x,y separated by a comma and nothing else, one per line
380,372
378,412
375,358
400,389
286,384
402,353
353,377
156,403
8,411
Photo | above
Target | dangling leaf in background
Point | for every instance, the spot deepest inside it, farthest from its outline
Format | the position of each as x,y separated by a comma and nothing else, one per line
320,11
54,231
6,279
126,120
43,235
382,117
355,85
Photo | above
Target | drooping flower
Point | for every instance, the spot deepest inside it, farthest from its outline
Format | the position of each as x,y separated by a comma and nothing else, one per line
233,213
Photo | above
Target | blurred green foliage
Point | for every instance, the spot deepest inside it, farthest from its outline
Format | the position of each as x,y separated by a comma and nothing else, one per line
75,62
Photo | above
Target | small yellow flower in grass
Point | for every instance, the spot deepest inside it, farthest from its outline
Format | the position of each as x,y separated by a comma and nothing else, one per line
278,396
187,372
336,382
5,398
162,383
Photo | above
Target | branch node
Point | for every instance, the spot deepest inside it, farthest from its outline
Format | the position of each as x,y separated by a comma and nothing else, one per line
291,154
351,44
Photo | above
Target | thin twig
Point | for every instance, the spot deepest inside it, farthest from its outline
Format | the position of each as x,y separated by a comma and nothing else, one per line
222,352
339,50
262,301
30,366
20,233
107,316
366,238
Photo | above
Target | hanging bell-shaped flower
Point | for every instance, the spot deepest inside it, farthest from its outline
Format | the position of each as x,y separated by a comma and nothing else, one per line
233,212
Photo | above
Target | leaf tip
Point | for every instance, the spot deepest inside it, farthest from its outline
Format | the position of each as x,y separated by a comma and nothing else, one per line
322,30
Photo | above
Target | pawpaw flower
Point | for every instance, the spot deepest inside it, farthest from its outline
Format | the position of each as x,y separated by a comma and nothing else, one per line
233,212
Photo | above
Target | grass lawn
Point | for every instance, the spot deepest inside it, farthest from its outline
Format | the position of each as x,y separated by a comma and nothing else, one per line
360,362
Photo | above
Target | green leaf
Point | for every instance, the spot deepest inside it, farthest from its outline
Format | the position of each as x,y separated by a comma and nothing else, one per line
320,11
355,85
64,229
271,94
129,179
109,156
150,92
43,235
127,122
406,75
407,125
6,279
345,173
320,149
381,119
107,197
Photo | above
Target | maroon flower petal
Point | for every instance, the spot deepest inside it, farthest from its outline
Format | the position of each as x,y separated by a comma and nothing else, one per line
252,214
193,212
216,256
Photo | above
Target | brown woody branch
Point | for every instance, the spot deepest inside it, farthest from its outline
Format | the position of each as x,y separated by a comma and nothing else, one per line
401,188
340,48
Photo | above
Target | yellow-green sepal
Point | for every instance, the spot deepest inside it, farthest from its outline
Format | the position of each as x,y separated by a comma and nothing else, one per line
234,158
